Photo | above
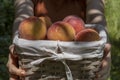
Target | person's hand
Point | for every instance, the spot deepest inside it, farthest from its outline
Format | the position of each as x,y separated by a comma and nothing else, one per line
104,71
12,65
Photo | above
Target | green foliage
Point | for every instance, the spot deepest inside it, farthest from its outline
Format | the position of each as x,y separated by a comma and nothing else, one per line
113,19
113,14
6,21
6,17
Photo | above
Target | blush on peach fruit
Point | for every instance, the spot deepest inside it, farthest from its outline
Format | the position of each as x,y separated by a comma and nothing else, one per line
61,31
32,28
87,35
77,23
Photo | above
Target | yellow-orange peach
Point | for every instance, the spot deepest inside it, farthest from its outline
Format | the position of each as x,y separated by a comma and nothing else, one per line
32,28
46,20
61,31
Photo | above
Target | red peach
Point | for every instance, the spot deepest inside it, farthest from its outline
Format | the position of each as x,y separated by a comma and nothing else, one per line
87,35
77,23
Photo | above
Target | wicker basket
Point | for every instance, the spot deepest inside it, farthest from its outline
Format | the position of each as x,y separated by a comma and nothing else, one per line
57,60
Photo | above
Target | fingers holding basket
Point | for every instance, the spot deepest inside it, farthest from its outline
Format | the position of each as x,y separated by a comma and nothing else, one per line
12,65
104,71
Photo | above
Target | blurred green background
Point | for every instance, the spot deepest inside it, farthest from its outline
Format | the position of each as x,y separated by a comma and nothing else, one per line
112,12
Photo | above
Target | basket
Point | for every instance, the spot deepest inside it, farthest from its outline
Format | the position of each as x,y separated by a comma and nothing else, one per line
59,60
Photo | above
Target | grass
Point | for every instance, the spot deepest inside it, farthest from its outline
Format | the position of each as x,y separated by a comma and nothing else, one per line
112,11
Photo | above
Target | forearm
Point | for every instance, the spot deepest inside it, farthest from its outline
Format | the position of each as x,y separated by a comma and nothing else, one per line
95,12
23,9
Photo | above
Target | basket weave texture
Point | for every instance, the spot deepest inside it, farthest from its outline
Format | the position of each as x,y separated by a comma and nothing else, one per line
56,60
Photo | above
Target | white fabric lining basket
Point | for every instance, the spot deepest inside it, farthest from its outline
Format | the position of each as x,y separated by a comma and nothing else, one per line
59,60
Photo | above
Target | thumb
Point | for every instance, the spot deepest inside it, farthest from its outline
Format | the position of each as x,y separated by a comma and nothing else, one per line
12,66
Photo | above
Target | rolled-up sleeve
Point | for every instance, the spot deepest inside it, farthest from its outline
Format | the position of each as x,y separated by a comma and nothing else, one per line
23,9
95,12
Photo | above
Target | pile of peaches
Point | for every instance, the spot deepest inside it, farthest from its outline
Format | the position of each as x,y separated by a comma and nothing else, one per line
71,28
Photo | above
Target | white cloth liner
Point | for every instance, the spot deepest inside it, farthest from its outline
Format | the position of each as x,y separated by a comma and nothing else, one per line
60,50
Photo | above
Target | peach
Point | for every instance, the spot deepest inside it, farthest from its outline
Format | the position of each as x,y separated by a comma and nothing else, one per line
77,23
46,20
32,28
87,35
61,31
